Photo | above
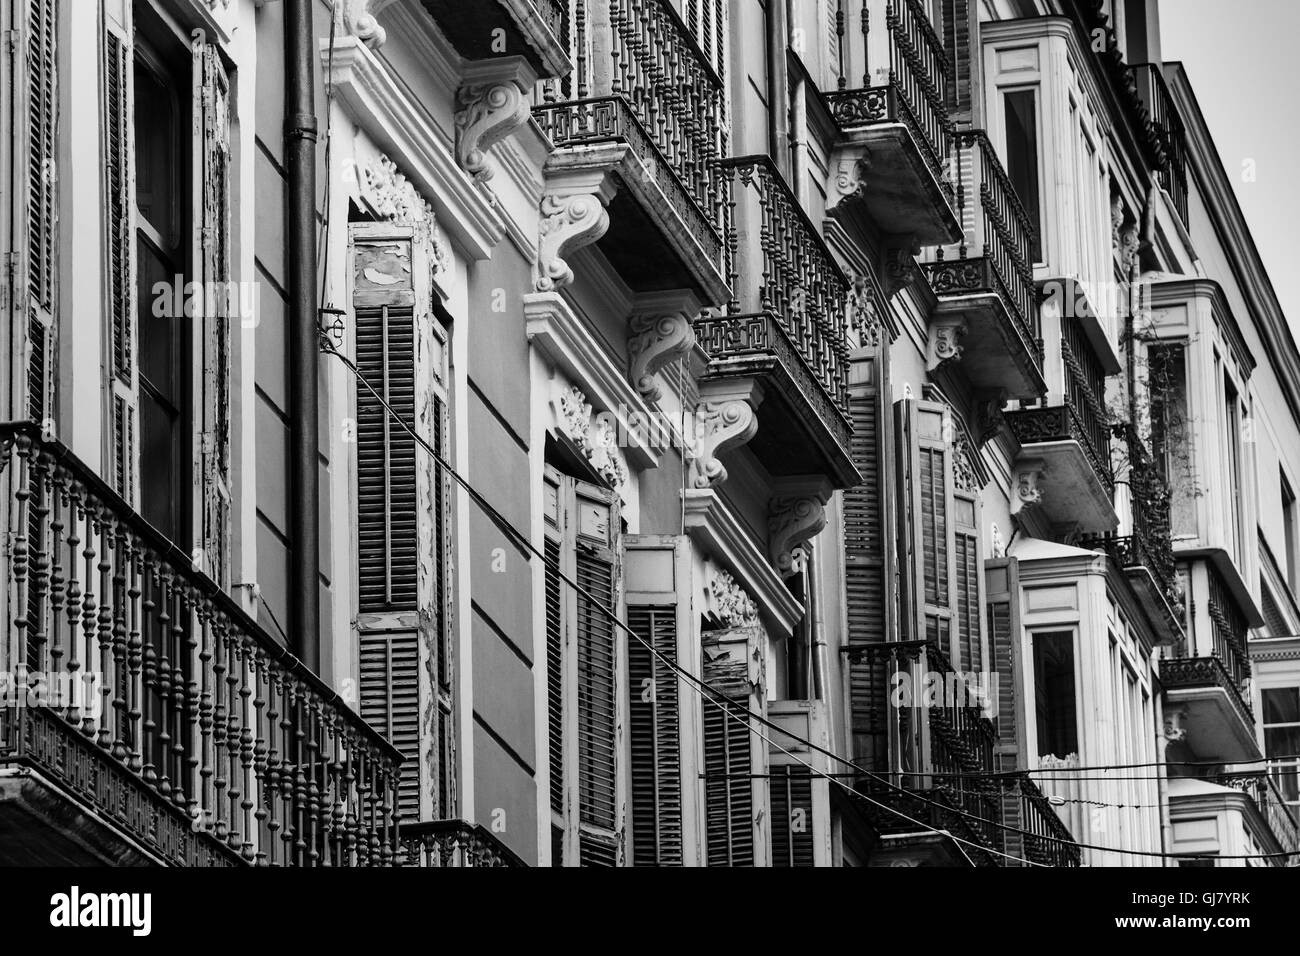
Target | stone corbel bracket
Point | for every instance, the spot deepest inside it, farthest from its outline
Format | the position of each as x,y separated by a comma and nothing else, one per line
1027,488
493,101
944,343
725,418
361,19
573,215
661,332
847,179
898,267
796,514
988,414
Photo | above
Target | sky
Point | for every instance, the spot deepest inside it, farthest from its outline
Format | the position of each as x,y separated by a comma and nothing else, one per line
1244,65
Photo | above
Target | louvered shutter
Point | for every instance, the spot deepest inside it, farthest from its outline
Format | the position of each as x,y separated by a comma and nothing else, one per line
968,607
390,702
654,735
925,520
383,301
555,674
1002,610
791,805
211,103
595,649
867,569
729,744
34,277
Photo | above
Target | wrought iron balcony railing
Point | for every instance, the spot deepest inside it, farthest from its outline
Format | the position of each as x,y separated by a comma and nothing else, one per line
1066,423
1261,788
1179,672
1167,132
996,229
193,717
910,87
670,99
778,265
1048,841
453,843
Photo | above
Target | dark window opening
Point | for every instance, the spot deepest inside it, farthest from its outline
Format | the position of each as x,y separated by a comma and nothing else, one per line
1054,694
1022,158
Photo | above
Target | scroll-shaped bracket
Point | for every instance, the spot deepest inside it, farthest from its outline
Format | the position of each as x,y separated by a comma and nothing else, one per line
944,342
654,341
573,215
1028,490
725,418
493,101
796,513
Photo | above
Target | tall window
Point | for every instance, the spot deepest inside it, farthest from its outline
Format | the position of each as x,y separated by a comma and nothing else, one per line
1282,739
162,219
1289,531
1166,385
1020,110
1054,693
1232,410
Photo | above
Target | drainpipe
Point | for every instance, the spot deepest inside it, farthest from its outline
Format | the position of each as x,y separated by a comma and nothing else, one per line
778,85
300,229
818,637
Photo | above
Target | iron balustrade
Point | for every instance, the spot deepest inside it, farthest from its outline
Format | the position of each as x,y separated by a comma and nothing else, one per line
996,228
1260,786
778,264
640,52
1169,132
916,90
196,707
1199,672
454,843
1047,840
1065,423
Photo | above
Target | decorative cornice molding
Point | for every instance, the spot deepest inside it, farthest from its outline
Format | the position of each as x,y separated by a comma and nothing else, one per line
391,196
595,439
717,531
569,221
368,91
727,602
493,102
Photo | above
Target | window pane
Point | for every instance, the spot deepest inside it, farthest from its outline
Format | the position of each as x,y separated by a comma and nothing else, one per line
1022,157
1054,693
1281,705
1281,741
156,153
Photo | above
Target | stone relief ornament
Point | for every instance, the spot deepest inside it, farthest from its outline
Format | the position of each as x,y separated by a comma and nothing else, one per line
729,602
792,521
1028,492
595,438
360,20
864,315
719,426
568,223
488,113
392,196
654,342
945,343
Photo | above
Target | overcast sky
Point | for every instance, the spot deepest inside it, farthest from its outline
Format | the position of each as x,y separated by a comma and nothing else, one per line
1243,62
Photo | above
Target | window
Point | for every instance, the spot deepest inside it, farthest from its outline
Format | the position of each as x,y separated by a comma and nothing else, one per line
1166,385
1054,693
1232,411
1282,739
1020,110
583,660
1289,531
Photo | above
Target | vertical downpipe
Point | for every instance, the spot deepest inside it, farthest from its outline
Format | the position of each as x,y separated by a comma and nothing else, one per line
300,227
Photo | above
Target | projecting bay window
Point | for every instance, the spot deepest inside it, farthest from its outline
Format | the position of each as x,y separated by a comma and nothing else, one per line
166,141
584,668
404,530
1054,693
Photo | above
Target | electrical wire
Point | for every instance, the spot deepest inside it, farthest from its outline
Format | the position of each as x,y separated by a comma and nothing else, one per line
513,533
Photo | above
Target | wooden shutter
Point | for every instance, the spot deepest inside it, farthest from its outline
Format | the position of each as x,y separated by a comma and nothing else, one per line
1002,610
34,274
968,608
383,301
729,747
655,738
211,157
867,569
925,519
791,802
390,702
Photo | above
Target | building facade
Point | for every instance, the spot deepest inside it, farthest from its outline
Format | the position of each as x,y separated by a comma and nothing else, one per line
680,432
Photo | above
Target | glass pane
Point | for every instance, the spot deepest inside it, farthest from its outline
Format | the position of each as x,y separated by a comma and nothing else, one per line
1281,705
156,153
1281,741
1022,157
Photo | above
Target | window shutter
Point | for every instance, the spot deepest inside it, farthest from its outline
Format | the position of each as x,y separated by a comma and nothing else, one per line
728,747
925,457
654,735
866,566
791,799
383,301
596,707
37,212
390,702
118,265
966,583
555,674
212,173
1002,610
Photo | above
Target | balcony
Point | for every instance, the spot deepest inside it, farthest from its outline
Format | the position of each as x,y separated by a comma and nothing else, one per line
1166,133
929,763
985,283
162,724
1047,840
647,120
894,128
1247,813
453,843
1145,550
536,28
1076,481
784,325
1272,809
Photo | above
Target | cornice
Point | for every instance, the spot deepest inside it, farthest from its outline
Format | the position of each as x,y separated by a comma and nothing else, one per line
381,104
1169,289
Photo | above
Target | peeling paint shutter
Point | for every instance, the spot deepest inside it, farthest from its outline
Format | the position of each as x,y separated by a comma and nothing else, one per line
555,674
35,279
390,702
596,707
386,465
926,519
212,168
1002,610
119,198
728,790
654,734
866,566
791,801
